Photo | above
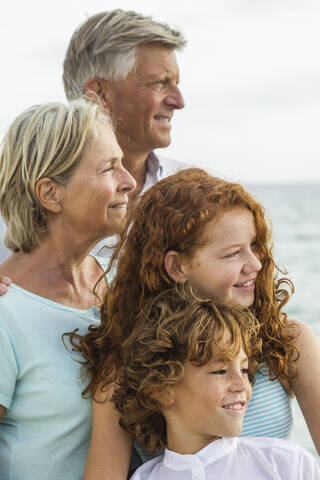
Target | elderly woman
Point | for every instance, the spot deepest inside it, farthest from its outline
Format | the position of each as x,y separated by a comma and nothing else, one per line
62,189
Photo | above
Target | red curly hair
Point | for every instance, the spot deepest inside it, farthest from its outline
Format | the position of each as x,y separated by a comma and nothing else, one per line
172,215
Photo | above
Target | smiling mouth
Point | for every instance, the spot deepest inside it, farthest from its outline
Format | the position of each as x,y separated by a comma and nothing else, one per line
163,118
248,284
235,407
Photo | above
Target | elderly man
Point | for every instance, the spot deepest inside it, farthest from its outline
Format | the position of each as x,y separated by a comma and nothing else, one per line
128,61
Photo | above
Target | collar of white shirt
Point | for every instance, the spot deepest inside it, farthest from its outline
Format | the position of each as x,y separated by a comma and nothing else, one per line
201,459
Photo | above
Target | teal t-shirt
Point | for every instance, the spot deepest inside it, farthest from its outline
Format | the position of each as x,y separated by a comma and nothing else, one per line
46,431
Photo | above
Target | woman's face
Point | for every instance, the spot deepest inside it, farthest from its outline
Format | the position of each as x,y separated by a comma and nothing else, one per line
95,199
226,268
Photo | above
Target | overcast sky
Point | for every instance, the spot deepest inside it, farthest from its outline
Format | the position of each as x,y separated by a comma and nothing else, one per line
250,76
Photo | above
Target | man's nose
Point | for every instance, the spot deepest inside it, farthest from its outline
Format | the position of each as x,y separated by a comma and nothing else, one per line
175,98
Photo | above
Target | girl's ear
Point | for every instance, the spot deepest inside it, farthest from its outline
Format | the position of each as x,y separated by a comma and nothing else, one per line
49,194
174,266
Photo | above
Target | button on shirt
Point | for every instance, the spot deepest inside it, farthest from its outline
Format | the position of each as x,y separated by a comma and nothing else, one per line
247,458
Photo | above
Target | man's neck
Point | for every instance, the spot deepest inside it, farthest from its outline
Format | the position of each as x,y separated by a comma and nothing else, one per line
136,164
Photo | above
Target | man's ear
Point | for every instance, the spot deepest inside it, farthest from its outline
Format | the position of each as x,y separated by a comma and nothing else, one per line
49,194
98,86
174,266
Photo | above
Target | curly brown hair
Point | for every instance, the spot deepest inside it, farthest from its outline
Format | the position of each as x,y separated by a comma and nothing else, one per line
172,329
172,215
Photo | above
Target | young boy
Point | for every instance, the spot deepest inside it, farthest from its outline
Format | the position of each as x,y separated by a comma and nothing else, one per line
184,389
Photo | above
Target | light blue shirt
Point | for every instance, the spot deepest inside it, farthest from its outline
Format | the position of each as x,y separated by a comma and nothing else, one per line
46,430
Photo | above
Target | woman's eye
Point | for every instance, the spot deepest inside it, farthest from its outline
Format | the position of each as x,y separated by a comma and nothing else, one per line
108,169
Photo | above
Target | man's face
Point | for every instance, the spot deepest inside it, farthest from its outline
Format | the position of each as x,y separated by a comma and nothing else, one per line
143,104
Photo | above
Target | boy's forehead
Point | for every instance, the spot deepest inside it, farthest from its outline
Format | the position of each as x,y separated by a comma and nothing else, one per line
226,350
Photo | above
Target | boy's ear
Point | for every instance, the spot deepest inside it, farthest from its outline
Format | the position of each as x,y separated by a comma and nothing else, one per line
49,194
174,266
166,400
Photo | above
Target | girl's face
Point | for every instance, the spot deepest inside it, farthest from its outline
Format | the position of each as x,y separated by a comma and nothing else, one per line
226,268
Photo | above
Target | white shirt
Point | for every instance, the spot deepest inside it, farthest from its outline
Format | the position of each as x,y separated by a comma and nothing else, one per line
157,168
246,458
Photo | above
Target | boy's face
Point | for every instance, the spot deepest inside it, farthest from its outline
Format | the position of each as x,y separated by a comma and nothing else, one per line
210,402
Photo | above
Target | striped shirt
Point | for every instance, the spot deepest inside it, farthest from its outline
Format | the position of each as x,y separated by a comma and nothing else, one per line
270,409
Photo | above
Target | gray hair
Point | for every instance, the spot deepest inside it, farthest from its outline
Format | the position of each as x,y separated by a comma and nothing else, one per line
106,46
44,141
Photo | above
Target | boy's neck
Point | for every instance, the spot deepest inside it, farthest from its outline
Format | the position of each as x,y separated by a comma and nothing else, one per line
187,444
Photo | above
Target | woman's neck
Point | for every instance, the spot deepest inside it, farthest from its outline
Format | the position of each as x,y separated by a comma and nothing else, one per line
63,275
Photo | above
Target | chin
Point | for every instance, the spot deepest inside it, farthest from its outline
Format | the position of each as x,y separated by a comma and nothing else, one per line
161,142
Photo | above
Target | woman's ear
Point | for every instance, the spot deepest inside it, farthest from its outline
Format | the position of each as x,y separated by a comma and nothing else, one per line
49,194
174,266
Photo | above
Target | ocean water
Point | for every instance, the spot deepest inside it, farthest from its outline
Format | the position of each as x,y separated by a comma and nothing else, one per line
295,215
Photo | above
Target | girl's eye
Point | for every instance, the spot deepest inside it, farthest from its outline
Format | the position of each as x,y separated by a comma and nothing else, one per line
254,246
232,254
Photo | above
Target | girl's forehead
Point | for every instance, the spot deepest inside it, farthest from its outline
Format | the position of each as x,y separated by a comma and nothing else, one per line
234,225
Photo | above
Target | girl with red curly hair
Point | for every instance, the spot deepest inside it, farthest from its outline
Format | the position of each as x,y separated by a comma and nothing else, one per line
198,229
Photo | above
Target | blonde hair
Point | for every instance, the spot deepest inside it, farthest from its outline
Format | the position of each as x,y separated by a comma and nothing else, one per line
44,141
106,45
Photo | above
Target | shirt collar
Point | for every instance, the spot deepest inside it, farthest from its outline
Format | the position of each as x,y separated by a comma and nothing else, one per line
154,165
201,459
154,171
